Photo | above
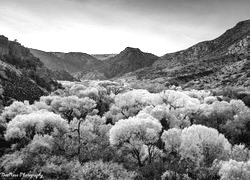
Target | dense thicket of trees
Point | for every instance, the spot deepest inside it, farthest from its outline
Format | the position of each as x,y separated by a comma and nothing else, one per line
108,130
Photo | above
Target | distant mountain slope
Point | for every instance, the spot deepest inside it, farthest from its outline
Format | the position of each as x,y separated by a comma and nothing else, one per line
22,76
72,62
201,65
50,60
54,64
128,60
233,41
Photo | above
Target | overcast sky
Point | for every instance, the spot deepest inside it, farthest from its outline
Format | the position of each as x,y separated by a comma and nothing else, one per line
108,26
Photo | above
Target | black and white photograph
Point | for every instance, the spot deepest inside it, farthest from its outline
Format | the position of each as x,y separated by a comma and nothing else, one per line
124,89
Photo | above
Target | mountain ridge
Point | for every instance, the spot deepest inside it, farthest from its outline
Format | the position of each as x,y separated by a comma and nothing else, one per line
196,63
201,61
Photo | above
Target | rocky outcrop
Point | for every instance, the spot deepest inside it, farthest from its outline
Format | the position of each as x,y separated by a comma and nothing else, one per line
240,47
19,73
4,45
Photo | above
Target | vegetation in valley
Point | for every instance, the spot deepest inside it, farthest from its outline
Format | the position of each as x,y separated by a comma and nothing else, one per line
113,130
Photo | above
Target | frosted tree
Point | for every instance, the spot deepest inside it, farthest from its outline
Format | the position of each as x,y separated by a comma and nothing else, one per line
184,106
130,103
172,140
95,92
16,108
75,110
194,149
238,106
210,99
138,135
87,139
72,106
41,144
202,145
32,138
169,118
25,127
178,99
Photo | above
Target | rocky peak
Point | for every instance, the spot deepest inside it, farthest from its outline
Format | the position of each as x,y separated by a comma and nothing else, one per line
131,49
130,59
130,52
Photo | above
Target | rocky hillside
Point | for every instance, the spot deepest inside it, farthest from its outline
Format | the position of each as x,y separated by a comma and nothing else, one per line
219,62
128,60
22,76
72,62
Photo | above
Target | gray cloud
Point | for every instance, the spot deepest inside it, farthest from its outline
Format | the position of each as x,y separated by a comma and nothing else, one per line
179,23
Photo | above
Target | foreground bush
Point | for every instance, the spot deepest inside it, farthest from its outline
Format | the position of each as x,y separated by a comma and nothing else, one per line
99,170
233,170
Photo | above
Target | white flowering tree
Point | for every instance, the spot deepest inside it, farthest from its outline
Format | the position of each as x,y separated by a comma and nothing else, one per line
195,148
130,103
201,144
72,106
87,140
138,135
14,109
25,127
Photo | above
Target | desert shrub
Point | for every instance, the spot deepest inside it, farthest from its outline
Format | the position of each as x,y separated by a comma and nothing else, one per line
238,128
214,115
152,87
240,153
232,170
58,167
198,94
104,171
171,175
12,162
246,100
